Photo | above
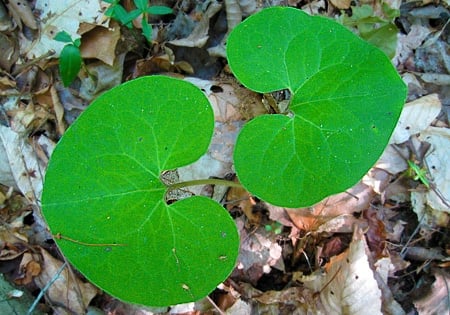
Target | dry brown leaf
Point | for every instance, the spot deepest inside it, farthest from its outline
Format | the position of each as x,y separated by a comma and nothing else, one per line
341,4
437,301
21,12
335,213
29,268
100,43
66,290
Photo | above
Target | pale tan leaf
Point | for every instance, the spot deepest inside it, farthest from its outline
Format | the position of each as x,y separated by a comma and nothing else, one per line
435,203
350,286
415,117
341,4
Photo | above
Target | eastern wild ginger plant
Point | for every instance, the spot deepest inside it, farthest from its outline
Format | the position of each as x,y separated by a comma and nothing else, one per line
103,195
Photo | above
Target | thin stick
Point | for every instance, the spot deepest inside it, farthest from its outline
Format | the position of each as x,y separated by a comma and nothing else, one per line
44,289
62,237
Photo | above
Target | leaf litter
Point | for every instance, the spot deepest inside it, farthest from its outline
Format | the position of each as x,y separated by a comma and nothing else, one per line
388,235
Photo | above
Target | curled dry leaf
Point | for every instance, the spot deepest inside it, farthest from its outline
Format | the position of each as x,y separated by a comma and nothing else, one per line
67,290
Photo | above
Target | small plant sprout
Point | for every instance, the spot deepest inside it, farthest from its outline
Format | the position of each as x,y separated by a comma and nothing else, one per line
70,60
119,13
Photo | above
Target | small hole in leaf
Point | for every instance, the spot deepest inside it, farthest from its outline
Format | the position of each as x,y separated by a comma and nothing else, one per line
216,89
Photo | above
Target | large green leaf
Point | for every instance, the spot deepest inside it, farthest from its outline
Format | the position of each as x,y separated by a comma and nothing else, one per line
102,187
346,100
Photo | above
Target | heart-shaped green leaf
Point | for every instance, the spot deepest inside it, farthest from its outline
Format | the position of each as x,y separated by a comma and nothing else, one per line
103,187
346,100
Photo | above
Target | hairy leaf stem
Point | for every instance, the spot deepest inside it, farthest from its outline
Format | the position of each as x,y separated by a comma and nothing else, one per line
208,181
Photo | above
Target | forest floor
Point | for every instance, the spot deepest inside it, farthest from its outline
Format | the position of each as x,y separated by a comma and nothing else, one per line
393,225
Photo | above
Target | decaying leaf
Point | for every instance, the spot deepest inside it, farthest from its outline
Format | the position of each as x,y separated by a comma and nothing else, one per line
335,213
21,12
199,35
259,252
57,16
437,301
19,167
415,117
341,4
349,286
100,43
66,291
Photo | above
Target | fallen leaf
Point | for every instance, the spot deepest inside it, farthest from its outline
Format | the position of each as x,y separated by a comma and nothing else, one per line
437,301
349,286
100,43
66,290
415,117
199,35
57,16
341,4
435,203
19,167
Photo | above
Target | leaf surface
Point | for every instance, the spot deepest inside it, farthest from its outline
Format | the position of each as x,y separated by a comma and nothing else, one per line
346,99
103,187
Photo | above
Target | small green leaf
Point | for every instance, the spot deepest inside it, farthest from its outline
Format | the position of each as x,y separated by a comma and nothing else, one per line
77,42
63,36
159,10
103,186
130,17
141,4
69,63
346,100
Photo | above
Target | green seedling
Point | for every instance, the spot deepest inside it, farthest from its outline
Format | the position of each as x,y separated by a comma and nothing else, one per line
418,173
103,191
70,60
119,13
